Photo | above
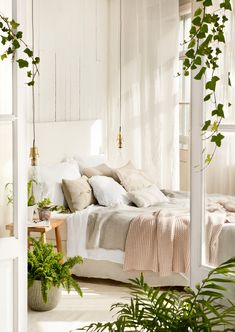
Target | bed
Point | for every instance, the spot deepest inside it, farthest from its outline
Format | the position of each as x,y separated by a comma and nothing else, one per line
105,256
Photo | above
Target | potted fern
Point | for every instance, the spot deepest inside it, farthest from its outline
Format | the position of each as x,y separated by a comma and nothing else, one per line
46,274
208,308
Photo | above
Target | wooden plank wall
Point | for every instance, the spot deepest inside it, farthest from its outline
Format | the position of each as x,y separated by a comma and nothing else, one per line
71,38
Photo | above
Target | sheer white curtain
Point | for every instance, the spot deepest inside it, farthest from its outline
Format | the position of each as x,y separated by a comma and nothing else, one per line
149,93
220,175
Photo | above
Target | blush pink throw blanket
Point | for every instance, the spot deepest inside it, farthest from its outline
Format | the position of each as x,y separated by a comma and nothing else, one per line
160,242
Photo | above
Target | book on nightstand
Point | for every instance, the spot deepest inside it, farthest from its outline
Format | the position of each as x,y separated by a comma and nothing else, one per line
38,223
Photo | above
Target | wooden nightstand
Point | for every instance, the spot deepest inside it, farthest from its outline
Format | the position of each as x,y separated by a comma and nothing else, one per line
54,224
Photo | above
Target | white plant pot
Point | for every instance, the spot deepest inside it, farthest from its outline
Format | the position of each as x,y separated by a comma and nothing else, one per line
35,300
31,210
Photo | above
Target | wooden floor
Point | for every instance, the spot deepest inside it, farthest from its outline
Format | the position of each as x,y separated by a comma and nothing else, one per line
73,311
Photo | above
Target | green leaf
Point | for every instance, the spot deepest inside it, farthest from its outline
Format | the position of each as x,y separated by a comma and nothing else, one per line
190,53
198,11
208,159
207,3
28,52
9,50
22,63
3,56
229,79
196,21
215,126
19,34
192,43
219,111
217,139
186,62
206,125
29,73
211,85
14,24
36,60
31,83
204,28
207,97
198,60
200,73
193,30
229,104
16,44
226,5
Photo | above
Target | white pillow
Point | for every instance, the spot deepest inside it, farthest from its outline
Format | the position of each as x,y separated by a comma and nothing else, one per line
147,196
51,177
107,191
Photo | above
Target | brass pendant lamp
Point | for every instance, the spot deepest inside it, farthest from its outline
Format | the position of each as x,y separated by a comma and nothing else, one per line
33,150
120,136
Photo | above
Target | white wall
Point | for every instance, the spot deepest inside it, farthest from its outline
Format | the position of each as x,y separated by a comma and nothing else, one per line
71,40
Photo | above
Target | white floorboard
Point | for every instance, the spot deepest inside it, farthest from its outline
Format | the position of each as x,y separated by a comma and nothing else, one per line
73,311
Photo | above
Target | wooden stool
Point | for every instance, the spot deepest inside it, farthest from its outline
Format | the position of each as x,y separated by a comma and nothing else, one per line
54,224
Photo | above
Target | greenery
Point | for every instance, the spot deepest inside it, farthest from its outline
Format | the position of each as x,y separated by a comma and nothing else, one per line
45,203
204,50
46,265
31,198
205,309
12,40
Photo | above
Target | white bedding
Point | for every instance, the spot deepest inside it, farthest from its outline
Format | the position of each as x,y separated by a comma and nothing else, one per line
76,239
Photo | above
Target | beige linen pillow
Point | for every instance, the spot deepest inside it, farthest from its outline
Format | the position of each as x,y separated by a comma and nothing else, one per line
147,196
102,170
131,178
78,193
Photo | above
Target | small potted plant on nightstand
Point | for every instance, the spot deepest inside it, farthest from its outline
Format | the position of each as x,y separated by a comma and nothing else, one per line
45,208
46,274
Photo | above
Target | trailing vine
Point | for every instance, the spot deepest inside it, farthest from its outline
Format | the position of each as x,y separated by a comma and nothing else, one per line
12,40
207,34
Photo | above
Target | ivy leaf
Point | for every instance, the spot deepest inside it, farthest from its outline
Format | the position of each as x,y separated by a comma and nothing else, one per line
29,73
16,44
198,60
22,63
31,83
186,62
200,73
3,56
207,3
19,34
214,127
204,28
208,159
36,60
193,30
4,40
217,139
226,5
220,37
206,125
28,52
192,43
190,53
229,79
229,104
14,24
207,97
9,50
211,85
197,21
198,11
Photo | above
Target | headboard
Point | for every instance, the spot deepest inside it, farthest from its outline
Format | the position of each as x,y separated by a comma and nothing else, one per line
58,140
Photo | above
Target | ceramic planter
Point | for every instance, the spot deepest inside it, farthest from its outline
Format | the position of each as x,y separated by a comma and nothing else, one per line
44,214
35,300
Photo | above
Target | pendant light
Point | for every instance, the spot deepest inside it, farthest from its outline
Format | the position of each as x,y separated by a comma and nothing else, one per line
33,150
120,136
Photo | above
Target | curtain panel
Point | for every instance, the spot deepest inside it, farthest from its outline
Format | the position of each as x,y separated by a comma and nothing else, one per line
149,87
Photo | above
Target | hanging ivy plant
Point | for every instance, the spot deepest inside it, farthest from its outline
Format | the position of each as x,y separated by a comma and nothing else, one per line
12,39
204,50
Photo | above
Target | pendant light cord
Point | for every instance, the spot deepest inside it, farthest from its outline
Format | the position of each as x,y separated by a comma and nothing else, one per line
120,64
33,71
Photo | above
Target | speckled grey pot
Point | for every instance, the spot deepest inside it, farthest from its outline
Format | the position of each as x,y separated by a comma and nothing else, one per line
35,300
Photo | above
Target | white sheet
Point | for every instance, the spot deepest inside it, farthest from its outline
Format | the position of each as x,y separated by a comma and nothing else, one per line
76,239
